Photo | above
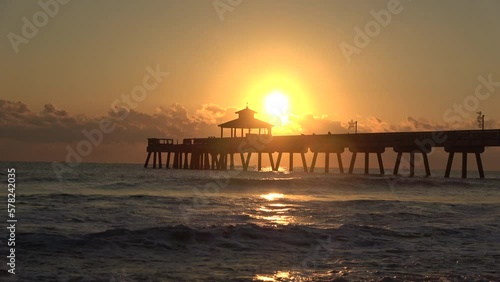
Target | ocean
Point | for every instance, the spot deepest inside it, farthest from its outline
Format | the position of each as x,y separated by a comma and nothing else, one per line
121,222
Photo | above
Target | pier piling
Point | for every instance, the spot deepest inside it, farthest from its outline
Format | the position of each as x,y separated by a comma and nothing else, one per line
147,160
353,161
477,150
339,160
218,153
278,161
327,162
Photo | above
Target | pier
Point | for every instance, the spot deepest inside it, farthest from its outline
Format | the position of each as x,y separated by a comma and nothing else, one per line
218,153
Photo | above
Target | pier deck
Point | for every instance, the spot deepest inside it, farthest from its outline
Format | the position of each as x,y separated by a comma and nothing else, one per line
218,153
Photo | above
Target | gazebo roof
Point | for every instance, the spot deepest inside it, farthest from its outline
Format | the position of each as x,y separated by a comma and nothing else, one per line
245,123
245,110
245,119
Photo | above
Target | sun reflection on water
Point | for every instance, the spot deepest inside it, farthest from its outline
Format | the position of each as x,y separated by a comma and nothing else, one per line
272,196
274,212
279,276
298,276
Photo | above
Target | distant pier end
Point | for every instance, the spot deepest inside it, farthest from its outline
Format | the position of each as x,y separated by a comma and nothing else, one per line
218,153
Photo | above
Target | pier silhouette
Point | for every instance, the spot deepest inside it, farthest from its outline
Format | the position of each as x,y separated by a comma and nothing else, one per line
218,153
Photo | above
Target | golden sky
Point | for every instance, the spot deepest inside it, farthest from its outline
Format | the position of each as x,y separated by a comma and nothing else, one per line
390,65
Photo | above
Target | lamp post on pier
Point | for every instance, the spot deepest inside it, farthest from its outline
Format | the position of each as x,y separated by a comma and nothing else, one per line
353,124
480,120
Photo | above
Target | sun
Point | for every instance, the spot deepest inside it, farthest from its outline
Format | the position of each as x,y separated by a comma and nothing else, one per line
276,104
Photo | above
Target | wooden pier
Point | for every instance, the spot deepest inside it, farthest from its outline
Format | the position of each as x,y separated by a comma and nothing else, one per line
219,153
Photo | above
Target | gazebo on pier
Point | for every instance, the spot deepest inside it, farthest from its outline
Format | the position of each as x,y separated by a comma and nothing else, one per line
245,120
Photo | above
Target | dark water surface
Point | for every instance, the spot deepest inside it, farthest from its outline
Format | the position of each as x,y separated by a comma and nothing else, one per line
110,222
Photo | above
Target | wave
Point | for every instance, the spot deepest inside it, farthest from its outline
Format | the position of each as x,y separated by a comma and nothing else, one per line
47,179
357,181
243,181
233,249
235,236
118,185
180,237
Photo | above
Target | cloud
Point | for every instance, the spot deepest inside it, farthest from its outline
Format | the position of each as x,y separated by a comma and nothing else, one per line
211,114
18,122
308,124
52,125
